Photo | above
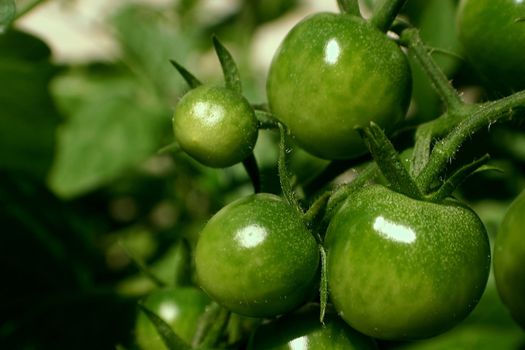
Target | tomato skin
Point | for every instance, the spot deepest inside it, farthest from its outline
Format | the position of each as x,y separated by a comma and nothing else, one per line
509,259
332,73
257,258
303,330
400,268
180,307
215,125
494,40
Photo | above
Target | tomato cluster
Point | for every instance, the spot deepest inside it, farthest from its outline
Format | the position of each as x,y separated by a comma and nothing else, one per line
399,261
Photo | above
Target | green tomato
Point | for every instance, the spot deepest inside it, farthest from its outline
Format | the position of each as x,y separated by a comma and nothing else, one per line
181,308
257,258
303,330
333,73
400,268
493,36
509,259
215,125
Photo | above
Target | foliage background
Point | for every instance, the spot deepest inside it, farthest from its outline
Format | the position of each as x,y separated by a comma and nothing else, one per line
86,97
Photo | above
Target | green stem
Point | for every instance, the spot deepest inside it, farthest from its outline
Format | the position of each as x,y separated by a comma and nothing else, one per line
142,266
456,179
338,196
216,330
316,209
389,162
323,288
284,175
182,264
485,115
385,13
266,120
250,164
410,37
350,7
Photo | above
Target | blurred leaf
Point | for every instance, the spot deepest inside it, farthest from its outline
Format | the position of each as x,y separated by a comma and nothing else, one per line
28,118
148,47
108,132
7,13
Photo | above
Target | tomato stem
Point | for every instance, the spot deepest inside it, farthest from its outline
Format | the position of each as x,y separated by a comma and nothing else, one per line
323,287
142,266
385,13
317,209
427,132
350,7
217,329
251,167
182,264
410,37
265,120
284,174
338,196
484,115
456,179
388,161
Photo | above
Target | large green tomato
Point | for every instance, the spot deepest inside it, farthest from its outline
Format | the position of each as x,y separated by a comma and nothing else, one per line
303,330
509,259
181,308
493,35
400,268
257,258
333,73
215,125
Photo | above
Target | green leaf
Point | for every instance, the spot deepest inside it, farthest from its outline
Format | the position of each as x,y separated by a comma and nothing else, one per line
229,67
168,336
147,47
28,117
7,13
108,133
188,77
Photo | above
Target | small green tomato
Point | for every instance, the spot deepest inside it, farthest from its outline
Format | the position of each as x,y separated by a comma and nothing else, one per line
215,125
257,258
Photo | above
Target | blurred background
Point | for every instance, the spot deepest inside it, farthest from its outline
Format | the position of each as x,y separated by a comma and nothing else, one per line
86,98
